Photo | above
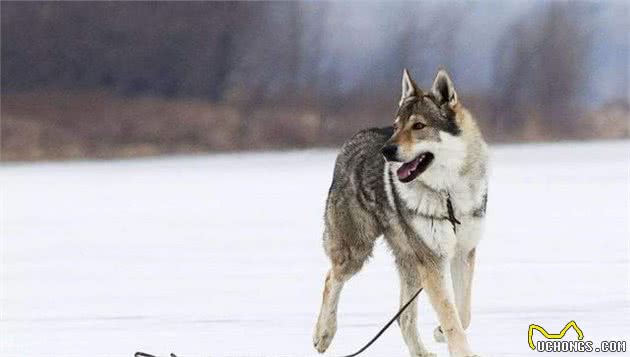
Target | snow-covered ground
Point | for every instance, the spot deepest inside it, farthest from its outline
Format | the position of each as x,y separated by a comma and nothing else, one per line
221,256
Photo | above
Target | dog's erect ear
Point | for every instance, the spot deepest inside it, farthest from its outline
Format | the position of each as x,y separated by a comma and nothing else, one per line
409,88
443,89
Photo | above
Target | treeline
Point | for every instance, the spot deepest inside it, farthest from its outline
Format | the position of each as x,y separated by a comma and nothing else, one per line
209,50
279,68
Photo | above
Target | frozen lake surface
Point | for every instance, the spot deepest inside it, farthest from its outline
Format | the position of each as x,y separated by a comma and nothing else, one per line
221,256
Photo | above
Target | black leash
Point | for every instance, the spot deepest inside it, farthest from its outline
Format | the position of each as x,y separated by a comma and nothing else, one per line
142,354
402,309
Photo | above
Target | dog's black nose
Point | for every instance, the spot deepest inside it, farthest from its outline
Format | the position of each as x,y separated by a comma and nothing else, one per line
390,151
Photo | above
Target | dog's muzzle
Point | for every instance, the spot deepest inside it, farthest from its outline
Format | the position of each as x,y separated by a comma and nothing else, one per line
390,152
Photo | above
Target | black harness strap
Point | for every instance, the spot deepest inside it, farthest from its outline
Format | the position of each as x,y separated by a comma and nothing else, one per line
451,214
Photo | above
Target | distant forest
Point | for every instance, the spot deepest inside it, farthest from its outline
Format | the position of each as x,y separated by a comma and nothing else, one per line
109,79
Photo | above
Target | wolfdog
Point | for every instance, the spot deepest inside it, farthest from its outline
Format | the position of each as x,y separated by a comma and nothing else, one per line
422,185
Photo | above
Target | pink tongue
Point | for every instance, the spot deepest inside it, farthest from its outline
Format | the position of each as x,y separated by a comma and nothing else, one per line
405,170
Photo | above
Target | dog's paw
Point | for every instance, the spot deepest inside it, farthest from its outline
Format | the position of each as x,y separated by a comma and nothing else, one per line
427,354
323,337
438,335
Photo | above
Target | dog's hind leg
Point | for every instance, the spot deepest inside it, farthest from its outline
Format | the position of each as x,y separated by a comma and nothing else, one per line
409,285
347,260
326,326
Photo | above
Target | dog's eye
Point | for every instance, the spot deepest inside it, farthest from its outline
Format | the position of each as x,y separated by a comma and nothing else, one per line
418,126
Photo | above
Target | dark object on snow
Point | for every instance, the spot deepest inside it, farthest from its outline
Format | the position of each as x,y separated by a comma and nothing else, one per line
142,354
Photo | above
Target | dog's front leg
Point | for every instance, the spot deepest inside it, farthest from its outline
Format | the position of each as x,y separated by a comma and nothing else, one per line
463,267
439,286
409,284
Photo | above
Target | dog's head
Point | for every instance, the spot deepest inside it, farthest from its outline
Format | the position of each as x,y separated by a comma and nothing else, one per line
427,130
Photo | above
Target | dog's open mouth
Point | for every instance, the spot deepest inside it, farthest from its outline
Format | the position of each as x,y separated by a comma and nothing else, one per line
410,170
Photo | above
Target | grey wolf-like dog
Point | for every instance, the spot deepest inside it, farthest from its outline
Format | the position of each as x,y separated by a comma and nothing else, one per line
422,185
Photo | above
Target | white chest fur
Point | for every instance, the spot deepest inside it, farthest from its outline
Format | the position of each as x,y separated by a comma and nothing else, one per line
443,240
430,208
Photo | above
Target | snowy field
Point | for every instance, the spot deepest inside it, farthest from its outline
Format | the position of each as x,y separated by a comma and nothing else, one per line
221,256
